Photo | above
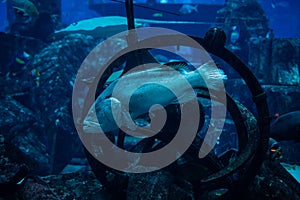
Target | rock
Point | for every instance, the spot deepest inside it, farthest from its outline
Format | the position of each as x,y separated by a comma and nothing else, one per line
18,182
57,65
273,182
26,148
148,186
21,143
159,185
74,168
36,105
275,61
63,187
239,13
14,116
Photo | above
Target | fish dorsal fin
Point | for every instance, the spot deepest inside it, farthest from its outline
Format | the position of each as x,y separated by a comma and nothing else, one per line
180,66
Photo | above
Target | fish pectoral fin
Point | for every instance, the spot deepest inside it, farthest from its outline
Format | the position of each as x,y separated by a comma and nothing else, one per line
210,77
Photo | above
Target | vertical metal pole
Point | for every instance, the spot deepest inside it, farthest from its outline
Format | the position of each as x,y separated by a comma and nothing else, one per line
132,39
139,56
130,14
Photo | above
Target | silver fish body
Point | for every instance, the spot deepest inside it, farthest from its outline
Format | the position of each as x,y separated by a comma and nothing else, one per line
140,92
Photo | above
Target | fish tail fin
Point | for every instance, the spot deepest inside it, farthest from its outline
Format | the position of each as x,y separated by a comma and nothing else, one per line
210,70
208,76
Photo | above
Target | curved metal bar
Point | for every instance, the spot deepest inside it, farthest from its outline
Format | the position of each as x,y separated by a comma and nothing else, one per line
259,97
235,114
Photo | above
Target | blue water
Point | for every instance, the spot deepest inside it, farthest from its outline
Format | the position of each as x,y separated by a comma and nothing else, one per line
283,14
3,21
284,17
75,10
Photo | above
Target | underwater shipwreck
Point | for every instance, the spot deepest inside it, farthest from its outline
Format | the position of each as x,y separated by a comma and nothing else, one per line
126,107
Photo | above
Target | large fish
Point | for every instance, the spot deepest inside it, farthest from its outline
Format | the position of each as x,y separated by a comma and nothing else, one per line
286,127
26,7
103,27
150,86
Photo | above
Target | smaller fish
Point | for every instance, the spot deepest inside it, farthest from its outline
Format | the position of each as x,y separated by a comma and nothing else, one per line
286,127
235,34
36,74
26,7
188,9
158,15
280,4
275,150
20,59
276,115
